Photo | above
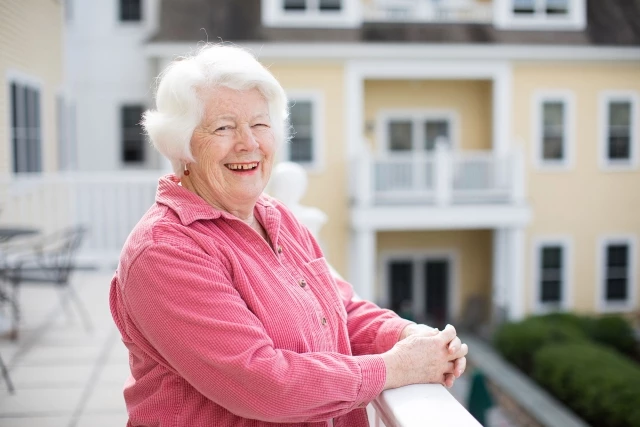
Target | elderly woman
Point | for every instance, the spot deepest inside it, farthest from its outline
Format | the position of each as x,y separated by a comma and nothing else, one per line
224,300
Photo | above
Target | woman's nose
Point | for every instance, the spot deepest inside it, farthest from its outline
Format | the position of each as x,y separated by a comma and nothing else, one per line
246,140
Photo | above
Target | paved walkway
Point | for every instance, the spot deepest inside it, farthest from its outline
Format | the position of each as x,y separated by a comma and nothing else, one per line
63,375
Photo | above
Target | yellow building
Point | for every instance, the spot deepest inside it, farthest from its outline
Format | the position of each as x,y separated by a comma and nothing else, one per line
32,92
475,158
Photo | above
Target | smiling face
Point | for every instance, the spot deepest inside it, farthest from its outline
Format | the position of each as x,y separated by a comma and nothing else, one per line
234,149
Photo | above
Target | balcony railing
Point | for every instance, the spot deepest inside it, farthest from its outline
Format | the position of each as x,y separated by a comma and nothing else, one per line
419,405
108,203
469,11
439,178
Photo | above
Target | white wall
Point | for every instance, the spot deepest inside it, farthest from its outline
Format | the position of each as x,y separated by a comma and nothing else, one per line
105,69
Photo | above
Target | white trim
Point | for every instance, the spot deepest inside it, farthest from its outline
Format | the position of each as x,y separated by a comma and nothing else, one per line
567,98
505,18
566,244
603,123
13,75
316,98
407,218
274,15
602,306
409,51
419,257
415,116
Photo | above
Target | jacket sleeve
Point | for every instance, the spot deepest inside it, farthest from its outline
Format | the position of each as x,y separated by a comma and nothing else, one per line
184,310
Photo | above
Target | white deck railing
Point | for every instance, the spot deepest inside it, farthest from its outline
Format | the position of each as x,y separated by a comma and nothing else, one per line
467,11
440,178
417,406
108,203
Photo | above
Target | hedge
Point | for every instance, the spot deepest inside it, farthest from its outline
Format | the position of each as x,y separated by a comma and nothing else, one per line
611,330
518,342
598,383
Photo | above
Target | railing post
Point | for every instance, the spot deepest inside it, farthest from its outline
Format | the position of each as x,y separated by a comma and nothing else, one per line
517,174
443,172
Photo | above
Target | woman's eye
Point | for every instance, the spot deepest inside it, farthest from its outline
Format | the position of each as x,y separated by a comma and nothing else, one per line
223,128
261,125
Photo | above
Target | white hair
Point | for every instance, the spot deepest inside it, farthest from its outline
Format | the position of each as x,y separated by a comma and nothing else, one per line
180,109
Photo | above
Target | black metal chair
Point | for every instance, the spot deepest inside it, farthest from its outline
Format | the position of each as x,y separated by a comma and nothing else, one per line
50,260
5,375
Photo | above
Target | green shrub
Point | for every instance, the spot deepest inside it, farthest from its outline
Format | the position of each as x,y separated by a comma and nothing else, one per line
598,383
518,342
615,331
611,330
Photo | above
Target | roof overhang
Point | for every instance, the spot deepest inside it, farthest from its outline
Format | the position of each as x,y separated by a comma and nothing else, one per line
401,51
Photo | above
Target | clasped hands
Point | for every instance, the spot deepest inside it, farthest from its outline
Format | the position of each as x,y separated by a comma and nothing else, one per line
425,355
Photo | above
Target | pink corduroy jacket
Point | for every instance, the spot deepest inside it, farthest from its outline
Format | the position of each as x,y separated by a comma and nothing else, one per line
224,329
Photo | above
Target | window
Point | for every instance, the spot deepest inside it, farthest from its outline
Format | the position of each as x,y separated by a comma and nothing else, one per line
416,131
301,149
26,139
311,13
541,7
619,134
541,14
551,274
619,131
132,136
553,130
321,5
617,273
130,10
551,264
306,132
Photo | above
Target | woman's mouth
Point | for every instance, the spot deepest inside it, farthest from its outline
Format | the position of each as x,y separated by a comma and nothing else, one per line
242,168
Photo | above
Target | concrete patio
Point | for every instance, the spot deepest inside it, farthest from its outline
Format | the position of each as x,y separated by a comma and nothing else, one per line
65,376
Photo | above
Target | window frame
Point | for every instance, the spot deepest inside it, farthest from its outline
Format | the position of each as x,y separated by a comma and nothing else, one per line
567,98
505,18
275,15
417,118
565,242
19,78
316,98
606,164
602,305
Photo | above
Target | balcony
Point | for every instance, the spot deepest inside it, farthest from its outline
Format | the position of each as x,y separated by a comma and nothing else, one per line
433,11
440,189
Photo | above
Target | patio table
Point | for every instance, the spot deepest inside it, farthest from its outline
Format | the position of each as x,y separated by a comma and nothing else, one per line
8,233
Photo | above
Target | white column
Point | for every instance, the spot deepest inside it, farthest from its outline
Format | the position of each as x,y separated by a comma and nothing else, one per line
500,264
364,181
515,278
364,263
517,174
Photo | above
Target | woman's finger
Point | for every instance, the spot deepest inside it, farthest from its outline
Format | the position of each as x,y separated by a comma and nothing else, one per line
455,345
460,366
462,352
448,380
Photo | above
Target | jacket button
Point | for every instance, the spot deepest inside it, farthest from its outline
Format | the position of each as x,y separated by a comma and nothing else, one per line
324,321
279,249
303,283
